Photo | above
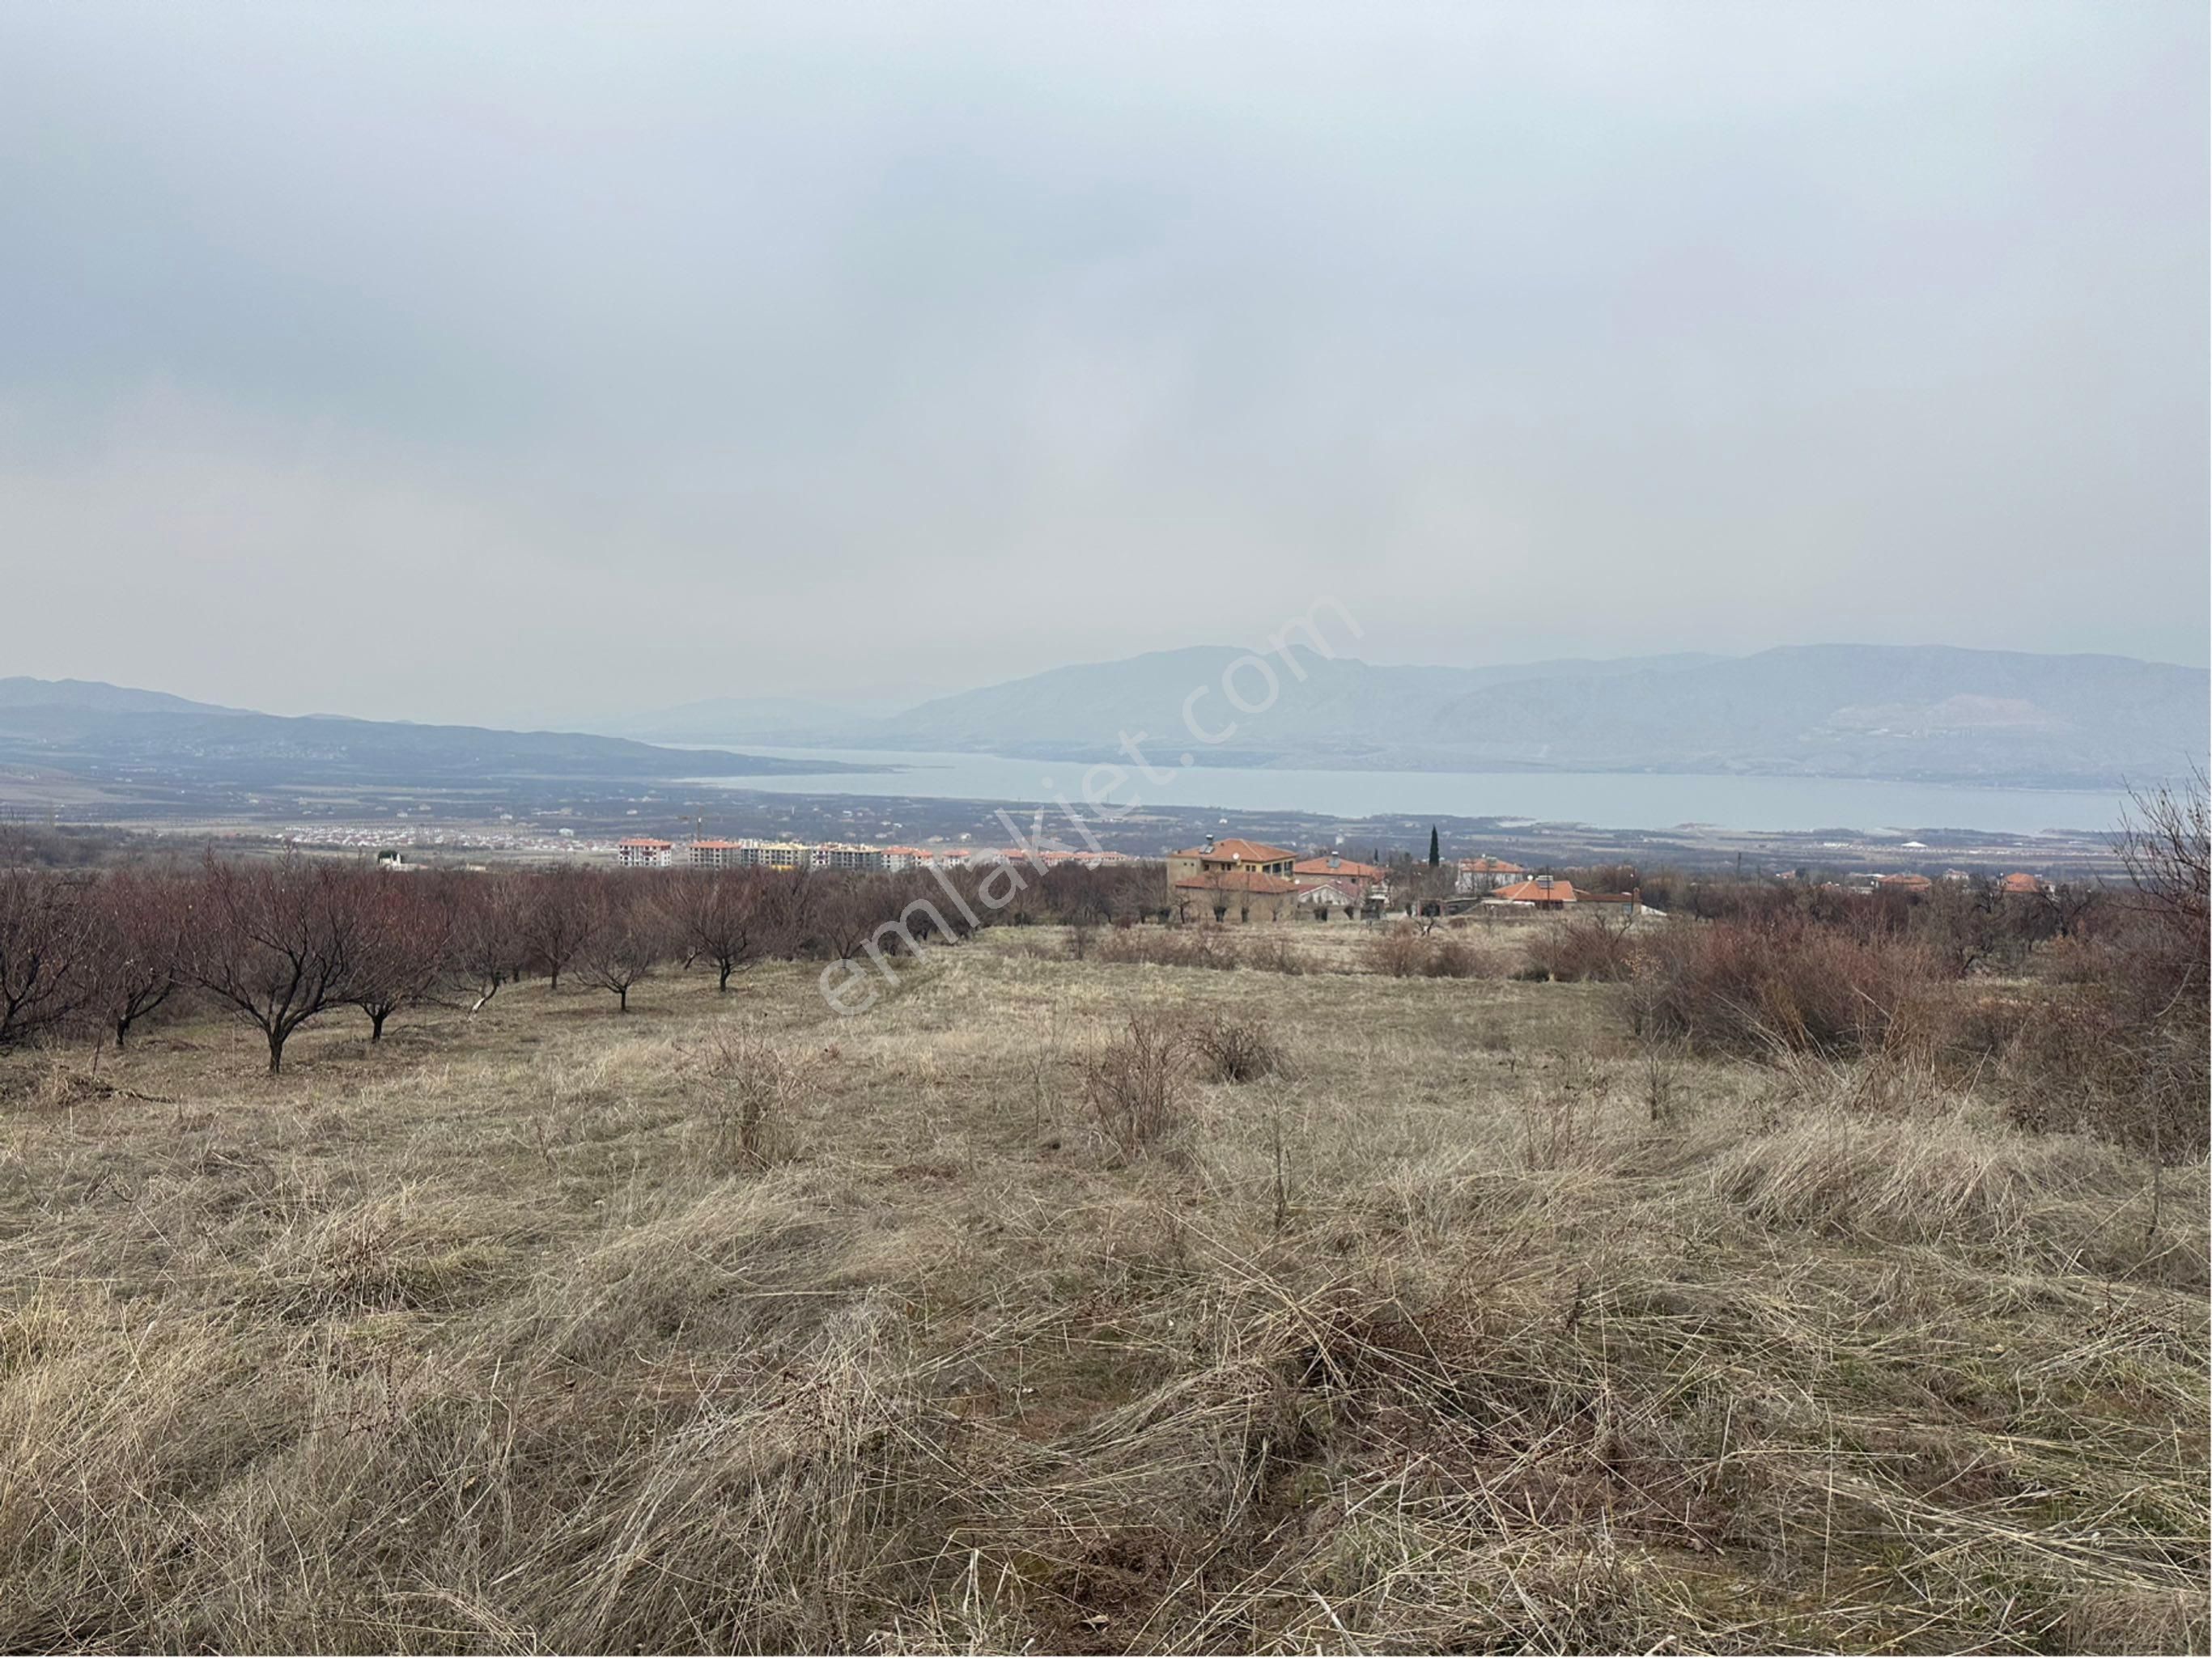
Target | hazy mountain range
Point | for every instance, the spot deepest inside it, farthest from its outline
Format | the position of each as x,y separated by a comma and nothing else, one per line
1918,713
111,733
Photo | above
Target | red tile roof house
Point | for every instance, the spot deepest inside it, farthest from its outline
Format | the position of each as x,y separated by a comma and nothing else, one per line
1905,883
1248,895
1357,881
1228,855
2018,885
1542,893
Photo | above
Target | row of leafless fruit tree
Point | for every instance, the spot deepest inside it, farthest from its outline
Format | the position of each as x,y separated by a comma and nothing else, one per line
283,941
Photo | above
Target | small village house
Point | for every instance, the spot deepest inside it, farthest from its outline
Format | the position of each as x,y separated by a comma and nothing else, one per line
1542,892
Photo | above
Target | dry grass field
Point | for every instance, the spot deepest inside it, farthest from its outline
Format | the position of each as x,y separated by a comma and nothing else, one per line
729,1324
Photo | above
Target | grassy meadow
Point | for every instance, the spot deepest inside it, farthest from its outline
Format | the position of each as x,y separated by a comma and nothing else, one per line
1465,1322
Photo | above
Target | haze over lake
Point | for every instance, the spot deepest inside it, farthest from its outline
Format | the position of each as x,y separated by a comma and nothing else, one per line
1607,801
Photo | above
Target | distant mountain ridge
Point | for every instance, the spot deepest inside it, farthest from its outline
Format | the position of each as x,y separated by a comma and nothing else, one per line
87,729
1921,714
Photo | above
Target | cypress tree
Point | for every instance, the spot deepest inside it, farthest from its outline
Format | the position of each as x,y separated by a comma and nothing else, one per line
1433,859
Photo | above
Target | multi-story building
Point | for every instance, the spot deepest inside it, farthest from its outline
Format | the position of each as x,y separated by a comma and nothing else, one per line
1227,857
837,855
643,852
715,855
1483,875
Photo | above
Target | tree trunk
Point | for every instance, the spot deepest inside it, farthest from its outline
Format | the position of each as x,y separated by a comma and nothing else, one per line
622,999
121,1029
376,1025
724,985
276,1051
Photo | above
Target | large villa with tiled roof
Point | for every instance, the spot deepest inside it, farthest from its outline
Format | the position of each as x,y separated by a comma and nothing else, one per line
1229,878
1248,881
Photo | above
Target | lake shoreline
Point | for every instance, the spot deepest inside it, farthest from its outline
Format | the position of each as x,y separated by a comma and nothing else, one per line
1732,802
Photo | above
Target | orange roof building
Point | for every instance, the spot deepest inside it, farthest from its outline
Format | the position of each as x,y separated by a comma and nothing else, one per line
1238,880
1224,857
1328,866
1544,892
1245,894
1235,851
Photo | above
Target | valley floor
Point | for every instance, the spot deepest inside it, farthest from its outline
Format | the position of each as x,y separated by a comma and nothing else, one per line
1478,1330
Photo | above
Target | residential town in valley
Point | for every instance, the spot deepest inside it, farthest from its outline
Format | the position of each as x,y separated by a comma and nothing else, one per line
647,852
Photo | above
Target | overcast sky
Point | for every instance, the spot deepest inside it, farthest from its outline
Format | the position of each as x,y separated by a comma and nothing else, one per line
493,364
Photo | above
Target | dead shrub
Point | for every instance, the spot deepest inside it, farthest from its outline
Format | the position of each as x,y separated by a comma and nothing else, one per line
2081,1064
1450,957
1397,952
1594,949
753,1089
1231,1050
1404,950
1271,952
1207,945
1558,1123
1195,946
1778,986
1134,1086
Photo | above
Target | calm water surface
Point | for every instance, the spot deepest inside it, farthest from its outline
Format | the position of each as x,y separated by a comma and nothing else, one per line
1607,801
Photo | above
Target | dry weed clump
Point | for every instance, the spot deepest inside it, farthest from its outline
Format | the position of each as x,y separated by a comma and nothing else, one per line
2052,1202
1596,950
1778,986
1208,944
1135,1084
754,1088
1404,950
1234,1050
1397,952
1271,952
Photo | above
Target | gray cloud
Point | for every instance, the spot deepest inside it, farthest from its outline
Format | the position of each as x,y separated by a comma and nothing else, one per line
494,363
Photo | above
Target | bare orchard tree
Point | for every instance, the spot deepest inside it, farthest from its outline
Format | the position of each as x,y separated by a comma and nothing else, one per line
48,946
788,899
2165,843
716,915
848,908
138,948
277,941
561,909
628,942
487,936
406,947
